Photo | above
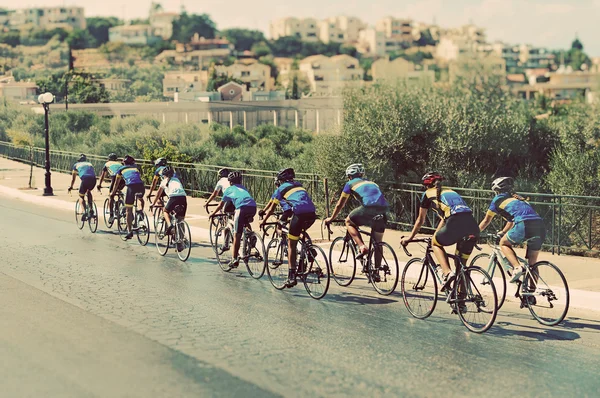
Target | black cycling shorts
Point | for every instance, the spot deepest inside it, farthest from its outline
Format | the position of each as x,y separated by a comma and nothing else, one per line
364,216
87,184
176,201
131,191
112,184
456,228
300,223
531,231
243,215
229,207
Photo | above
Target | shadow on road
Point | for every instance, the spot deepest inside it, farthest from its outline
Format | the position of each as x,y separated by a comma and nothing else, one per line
579,323
358,300
529,333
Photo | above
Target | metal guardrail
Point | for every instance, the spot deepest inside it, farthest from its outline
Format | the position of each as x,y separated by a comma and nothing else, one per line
572,222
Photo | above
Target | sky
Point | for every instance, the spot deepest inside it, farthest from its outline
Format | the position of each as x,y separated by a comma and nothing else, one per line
546,23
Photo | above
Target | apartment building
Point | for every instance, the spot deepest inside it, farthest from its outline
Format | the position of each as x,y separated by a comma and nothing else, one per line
142,35
113,85
18,91
330,75
256,75
305,29
341,29
48,18
162,23
399,29
565,84
384,70
371,42
465,39
184,82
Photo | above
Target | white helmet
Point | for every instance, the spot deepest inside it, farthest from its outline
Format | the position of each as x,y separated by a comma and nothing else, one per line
503,184
355,169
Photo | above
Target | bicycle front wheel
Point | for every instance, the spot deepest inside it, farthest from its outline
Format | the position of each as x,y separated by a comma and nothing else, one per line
475,299
122,220
277,268
255,258
143,228
383,269
212,230
79,212
183,243
316,279
419,288
342,260
161,239
546,293
106,213
496,272
224,247
156,215
93,217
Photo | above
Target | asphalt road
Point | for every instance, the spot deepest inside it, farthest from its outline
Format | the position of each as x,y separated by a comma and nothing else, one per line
91,315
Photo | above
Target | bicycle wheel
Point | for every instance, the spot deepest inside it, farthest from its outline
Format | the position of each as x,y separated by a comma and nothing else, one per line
255,258
277,265
496,272
93,218
419,288
183,243
212,229
224,247
316,279
106,214
122,221
79,220
161,239
156,214
142,228
268,232
546,293
476,299
383,269
342,260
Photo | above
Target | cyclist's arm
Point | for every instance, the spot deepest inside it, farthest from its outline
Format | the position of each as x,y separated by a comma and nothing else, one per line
268,210
219,207
158,195
153,185
74,176
419,223
211,197
486,221
116,186
102,175
339,206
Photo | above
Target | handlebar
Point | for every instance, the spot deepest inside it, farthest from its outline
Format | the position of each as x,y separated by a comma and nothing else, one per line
418,240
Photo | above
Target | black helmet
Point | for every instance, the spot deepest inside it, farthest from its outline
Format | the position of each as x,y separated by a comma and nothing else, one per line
235,177
112,156
128,159
503,184
224,172
168,172
160,162
431,177
286,174
82,158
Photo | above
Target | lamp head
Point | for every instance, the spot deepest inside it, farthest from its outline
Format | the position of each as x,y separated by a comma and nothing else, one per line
46,98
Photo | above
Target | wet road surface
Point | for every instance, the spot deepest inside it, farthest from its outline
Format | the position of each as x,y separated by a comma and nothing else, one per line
220,334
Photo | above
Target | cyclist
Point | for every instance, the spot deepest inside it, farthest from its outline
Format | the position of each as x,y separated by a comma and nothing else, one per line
523,224
173,188
245,209
110,170
130,173
221,186
457,223
160,165
87,175
298,206
373,204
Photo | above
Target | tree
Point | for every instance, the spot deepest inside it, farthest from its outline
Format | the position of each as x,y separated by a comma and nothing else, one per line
286,46
187,25
425,39
98,28
84,89
243,39
348,50
80,39
12,38
577,45
261,49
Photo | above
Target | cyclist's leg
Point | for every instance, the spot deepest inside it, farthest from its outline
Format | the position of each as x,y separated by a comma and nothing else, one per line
82,190
129,200
441,239
293,236
166,210
90,185
535,233
243,216
111,199
515,236
355,219
466,227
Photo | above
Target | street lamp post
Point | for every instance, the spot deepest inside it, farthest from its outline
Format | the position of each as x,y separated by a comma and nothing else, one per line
46,99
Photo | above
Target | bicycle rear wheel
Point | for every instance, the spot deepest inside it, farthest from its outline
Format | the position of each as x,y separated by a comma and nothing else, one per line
255,258
496,272
106,214
546,293
224,247
342,260
122,220
156,214
383,269
183,243
93,217
419,288
79,212
212,230
143,228
161,239
277,265
476,299
316,279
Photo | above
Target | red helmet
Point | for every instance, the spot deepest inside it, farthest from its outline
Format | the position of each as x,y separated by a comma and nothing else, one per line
431,177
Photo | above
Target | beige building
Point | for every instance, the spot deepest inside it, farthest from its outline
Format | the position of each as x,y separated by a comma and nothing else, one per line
384,70
48,18
564,84
184,82
341,29
330,75
19,91
466,39
162,23
371,42
305,29
113,85
400,29
255,74
142,35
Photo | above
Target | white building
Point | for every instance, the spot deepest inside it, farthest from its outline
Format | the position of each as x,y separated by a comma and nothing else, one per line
341,29
371,42
305,29
48,18
255,74
162,23
184,82
330,75
400,29
133,35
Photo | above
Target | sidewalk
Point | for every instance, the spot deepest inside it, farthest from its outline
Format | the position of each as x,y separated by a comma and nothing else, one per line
582,273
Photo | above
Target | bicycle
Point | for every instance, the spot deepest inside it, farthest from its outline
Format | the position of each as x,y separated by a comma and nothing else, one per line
471,294
543,286
180,237
217,222
251,246
140,224
157,211
89,213
117,203
312,270
380,264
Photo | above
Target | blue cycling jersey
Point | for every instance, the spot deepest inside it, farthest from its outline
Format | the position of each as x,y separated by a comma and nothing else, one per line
512,209
131,174
239,196
84,170
367,191
291,195
111,167
450,202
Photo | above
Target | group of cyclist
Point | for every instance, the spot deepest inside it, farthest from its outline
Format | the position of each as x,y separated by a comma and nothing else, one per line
456,226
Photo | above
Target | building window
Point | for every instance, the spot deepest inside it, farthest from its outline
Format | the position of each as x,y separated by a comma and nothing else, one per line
341,36
311,35
245,73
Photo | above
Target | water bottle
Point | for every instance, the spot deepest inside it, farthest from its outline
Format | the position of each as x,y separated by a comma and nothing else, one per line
506,264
